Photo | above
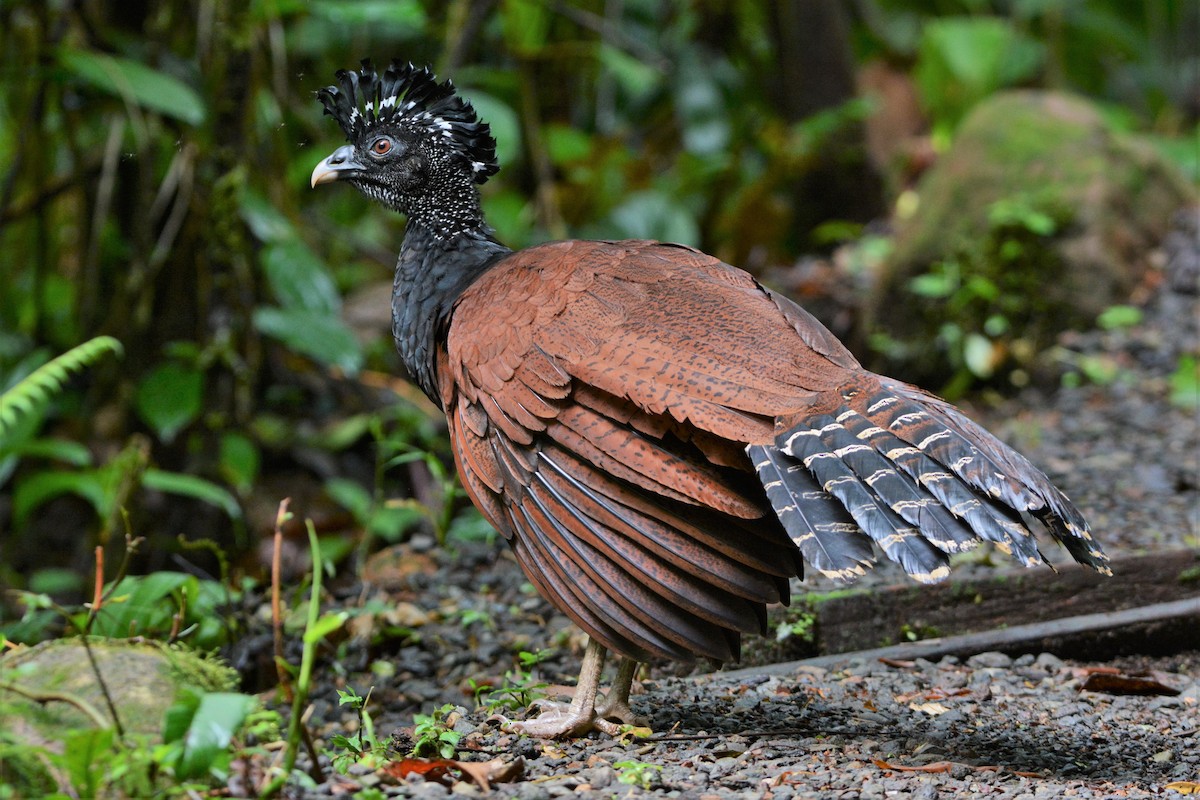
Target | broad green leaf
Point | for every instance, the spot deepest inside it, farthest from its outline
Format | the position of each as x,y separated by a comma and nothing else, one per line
404,15
526,23
299,278
264,220
169,398
636,78
351,496
55,580
217,719
178,717
135,83
979,353
1185,384
963,59
567,144
320,336
701,109
324,626
654,215
1115,317
192,486
72,453
238,460
43,486
140,604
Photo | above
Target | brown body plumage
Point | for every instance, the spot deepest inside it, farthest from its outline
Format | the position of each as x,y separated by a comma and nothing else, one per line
663,441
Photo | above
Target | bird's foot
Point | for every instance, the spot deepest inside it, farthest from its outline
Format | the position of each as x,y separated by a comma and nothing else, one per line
616,709
561,720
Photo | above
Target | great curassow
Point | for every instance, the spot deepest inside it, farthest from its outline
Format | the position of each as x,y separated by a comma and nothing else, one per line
663,441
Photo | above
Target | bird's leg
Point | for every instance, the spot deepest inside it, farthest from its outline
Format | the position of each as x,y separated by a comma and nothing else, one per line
616,702
576,719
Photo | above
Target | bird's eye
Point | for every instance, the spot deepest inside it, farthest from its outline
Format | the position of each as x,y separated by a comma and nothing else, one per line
381,147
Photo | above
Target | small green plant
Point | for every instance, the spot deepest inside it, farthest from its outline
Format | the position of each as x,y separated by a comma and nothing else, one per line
365,747
638,773
520,688
914,633
984,301
470,616
433,734
801,626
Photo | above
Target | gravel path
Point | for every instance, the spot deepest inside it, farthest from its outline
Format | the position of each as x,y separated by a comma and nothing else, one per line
990,726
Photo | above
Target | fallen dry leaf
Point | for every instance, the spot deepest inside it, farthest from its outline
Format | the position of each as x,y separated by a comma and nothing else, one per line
495,771
936,766
932,709
432,769
1184,787
898,663
447,771
927,695
1109,683
947,766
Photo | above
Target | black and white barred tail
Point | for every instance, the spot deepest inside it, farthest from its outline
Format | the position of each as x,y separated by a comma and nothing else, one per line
885,463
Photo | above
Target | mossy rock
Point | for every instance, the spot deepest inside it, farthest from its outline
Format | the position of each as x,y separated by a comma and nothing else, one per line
1090,206
143,679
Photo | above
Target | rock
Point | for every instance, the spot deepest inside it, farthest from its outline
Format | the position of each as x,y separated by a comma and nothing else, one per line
993,660
1047,216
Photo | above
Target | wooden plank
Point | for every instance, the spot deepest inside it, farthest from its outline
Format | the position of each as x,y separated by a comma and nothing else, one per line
869,619
1177,621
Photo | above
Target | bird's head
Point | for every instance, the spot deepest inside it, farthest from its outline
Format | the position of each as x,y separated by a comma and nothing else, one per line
413,142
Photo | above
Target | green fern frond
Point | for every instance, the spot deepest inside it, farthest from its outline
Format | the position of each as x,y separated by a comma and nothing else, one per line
38,387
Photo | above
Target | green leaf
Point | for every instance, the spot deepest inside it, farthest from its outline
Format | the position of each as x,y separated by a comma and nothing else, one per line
72,453
178,716
87,753
406,15
351,496
299,278
1115,317
636,78
526,23
979,354
140,604
216,721
567,144
320,336
264,220
1185,383
42,487
55,580
135,83
194,487
325,626
963,59
169,398
654,215
238,460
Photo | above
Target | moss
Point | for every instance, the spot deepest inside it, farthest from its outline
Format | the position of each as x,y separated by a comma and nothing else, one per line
1051,158
143,679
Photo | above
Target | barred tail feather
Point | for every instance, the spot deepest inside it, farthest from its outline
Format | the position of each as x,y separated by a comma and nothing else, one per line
828,537
916,477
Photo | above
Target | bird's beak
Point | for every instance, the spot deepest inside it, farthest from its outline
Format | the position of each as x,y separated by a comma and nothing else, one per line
340,165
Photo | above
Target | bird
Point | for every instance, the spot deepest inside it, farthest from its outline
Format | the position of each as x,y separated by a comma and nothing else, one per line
663,441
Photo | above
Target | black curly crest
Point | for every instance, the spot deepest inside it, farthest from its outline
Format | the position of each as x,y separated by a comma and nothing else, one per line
409,96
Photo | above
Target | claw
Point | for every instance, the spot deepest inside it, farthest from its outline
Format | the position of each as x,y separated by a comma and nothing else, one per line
582,715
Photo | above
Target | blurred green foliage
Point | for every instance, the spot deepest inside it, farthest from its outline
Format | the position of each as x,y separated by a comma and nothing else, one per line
154,163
